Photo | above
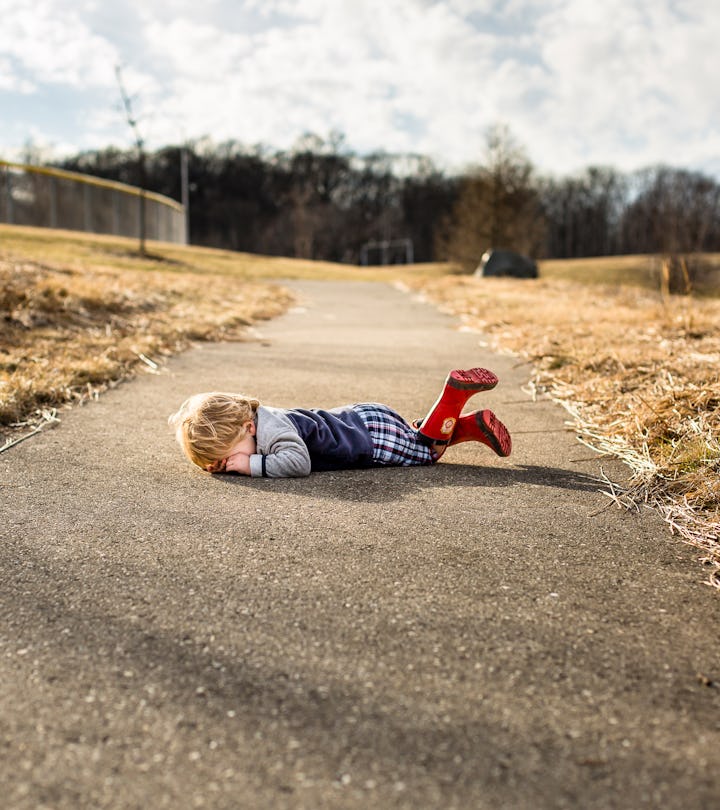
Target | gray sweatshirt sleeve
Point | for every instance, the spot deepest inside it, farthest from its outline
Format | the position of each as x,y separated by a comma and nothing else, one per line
281,453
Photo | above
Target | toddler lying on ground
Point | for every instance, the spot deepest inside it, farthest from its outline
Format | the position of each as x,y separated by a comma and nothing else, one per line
233,433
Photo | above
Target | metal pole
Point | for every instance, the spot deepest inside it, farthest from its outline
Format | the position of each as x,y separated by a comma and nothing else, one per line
10,211
86,208
141,221
53,203
185,192
410,252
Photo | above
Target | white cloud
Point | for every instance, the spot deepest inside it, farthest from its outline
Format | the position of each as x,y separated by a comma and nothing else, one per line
10,81
577,81
47,42
626,81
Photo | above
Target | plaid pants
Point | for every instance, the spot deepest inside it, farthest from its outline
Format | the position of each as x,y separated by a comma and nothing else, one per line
395,443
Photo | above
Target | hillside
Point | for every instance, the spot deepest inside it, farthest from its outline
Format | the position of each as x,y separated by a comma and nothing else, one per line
636,369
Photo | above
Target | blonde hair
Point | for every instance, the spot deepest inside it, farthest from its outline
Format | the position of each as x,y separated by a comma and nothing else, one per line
208,425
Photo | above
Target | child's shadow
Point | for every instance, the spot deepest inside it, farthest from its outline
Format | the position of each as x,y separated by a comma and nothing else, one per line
388,484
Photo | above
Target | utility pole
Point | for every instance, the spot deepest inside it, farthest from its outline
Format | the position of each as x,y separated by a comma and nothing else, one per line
140,144
185,191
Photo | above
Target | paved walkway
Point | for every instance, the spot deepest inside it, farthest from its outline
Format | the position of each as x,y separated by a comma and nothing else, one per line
480,634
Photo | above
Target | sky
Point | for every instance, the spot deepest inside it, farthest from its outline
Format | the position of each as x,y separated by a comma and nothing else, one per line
623,83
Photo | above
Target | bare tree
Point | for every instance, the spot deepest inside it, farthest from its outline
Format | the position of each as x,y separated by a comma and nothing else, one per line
584,212
498,205
140,145
674,214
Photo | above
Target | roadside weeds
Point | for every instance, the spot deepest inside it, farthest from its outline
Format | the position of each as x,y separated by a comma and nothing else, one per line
636,371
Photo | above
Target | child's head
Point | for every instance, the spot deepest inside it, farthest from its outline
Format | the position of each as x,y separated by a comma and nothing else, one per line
208,426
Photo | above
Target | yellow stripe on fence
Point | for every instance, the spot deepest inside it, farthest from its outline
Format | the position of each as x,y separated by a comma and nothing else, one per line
89,180
46,197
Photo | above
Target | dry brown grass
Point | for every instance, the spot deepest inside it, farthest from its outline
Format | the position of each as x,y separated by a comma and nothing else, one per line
81,251
79,312
639,374
66,332
73,323
634,271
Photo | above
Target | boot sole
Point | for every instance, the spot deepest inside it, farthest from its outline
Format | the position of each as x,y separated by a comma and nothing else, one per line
472,379
495,432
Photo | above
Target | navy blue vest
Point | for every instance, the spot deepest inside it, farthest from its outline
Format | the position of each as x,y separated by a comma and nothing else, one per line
337,439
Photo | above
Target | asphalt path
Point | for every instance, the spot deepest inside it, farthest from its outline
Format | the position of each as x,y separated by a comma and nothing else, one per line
484,633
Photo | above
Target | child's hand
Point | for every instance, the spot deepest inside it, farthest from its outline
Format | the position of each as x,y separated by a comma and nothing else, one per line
238,462
217,466
238,457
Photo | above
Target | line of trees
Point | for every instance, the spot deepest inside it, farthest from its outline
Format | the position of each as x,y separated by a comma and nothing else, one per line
319,200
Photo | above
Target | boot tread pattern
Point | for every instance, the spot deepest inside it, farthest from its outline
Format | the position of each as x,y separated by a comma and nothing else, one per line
495,432
472,379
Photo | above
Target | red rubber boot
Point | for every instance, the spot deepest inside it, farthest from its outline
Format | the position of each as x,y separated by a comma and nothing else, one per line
485,427
439,424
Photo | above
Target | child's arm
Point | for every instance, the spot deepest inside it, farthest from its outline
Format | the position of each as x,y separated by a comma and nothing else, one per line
281,453
239,463
284,459
288,461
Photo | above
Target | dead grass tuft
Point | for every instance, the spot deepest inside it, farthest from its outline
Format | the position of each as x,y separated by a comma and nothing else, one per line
81,311
66,332
639,375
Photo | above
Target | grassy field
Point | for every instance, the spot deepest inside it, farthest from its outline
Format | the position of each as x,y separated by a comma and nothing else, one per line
80,312
635,271
637,370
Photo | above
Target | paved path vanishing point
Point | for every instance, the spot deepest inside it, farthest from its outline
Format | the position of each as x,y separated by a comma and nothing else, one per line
486,633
